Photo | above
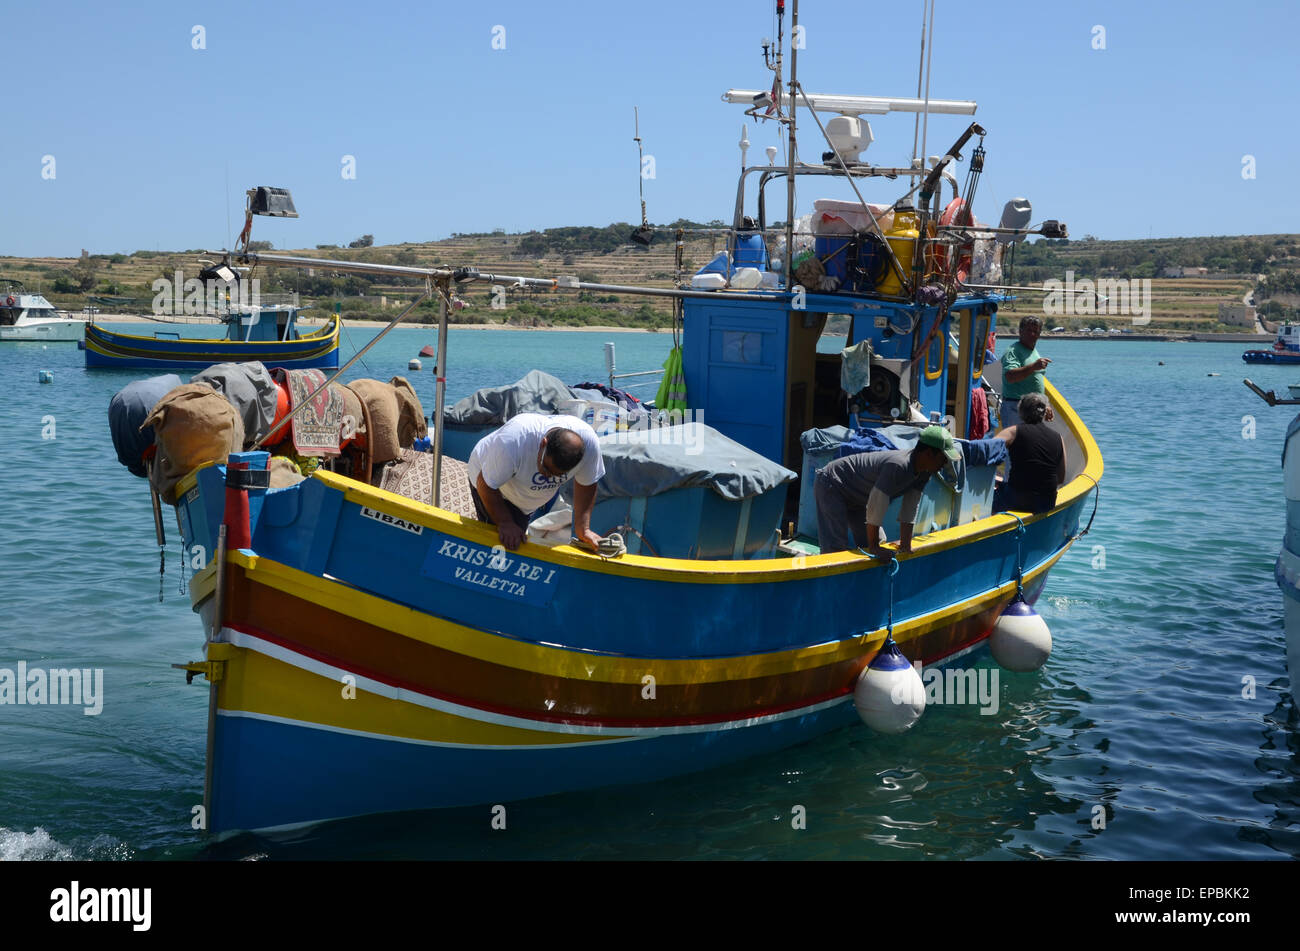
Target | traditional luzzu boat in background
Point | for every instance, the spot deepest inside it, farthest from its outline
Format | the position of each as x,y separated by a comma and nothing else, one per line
259,328
266,333
26,316
369,651
1286,348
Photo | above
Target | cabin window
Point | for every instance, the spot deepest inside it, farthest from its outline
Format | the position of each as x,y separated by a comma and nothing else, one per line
978,341
936,356
742,346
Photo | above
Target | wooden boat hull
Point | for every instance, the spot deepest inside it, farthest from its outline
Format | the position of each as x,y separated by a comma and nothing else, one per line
108,348
377,654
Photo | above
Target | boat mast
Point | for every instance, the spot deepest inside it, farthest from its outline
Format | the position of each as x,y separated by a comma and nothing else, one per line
790,148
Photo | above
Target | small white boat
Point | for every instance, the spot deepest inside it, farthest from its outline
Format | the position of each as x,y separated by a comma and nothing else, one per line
25,316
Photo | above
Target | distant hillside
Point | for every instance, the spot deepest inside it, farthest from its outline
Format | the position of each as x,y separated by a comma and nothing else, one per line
604,255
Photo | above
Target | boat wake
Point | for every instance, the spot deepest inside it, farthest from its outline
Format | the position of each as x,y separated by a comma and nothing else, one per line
39,846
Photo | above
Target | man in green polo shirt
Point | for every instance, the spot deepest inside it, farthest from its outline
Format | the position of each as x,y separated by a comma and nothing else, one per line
1023,370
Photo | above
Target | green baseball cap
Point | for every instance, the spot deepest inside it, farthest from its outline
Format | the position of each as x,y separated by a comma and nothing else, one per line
936,437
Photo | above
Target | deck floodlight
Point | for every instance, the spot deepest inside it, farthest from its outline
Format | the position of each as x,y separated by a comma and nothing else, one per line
222,273
271,202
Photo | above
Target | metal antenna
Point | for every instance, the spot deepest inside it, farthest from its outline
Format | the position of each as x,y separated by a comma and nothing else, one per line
644,234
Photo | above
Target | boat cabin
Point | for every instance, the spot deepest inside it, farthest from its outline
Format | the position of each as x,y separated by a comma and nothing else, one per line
262,323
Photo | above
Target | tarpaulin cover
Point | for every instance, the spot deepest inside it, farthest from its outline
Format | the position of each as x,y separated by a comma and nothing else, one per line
650,461
127,411
537,392
251,391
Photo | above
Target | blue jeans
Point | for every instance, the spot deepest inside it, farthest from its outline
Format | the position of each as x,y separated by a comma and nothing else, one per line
1009,413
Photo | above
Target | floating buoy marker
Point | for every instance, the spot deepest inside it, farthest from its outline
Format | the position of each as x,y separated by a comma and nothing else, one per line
45,376
413,363
889,694
1021,641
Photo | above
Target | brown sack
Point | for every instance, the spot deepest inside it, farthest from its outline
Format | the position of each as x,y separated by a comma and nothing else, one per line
411,424
381,404
194,425
396,416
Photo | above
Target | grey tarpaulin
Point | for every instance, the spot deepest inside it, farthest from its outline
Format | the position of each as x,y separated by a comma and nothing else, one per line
646,462
537,392
128,409
251,392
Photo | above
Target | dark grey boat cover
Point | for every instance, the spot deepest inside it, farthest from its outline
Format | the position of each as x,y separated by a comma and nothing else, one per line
128,409
645,462
537,392
251,391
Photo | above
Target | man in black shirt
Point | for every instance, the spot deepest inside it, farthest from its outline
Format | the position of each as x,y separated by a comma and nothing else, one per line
1037,464
853,492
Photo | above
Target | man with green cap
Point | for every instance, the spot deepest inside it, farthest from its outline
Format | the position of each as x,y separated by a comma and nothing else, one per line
854,492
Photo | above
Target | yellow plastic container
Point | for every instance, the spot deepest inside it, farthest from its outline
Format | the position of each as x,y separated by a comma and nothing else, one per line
902,237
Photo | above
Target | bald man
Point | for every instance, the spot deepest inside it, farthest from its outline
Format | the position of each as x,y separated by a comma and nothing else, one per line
518,469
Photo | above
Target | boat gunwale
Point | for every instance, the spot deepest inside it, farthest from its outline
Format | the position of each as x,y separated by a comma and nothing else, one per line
721,571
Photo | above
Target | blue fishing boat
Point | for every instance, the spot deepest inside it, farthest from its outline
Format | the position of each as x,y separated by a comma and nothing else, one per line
374,648
267,334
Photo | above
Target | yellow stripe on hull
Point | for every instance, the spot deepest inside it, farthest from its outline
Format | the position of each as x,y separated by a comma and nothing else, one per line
582,665
258,684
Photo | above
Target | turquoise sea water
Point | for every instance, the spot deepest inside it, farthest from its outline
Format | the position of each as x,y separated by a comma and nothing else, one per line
1140,710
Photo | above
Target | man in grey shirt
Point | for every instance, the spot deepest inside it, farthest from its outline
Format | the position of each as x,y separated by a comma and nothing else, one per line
854,492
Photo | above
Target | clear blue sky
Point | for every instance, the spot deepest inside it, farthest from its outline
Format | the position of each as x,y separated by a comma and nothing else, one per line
1144,137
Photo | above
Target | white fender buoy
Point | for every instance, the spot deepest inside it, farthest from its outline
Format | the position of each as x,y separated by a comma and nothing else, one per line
414,364
889,694
1020,641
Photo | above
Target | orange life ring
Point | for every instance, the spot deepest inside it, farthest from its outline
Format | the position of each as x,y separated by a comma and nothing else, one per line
956,208
11,300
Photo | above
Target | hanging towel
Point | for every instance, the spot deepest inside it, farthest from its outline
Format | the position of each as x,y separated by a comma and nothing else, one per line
672,388
979,413
855,367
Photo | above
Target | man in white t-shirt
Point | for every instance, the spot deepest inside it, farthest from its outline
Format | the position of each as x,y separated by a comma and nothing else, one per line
517,469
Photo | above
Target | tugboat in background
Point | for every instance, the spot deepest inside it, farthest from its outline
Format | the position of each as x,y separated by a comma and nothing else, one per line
1286,348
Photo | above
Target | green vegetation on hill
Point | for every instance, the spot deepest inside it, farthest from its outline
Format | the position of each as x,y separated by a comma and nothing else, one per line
605,255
